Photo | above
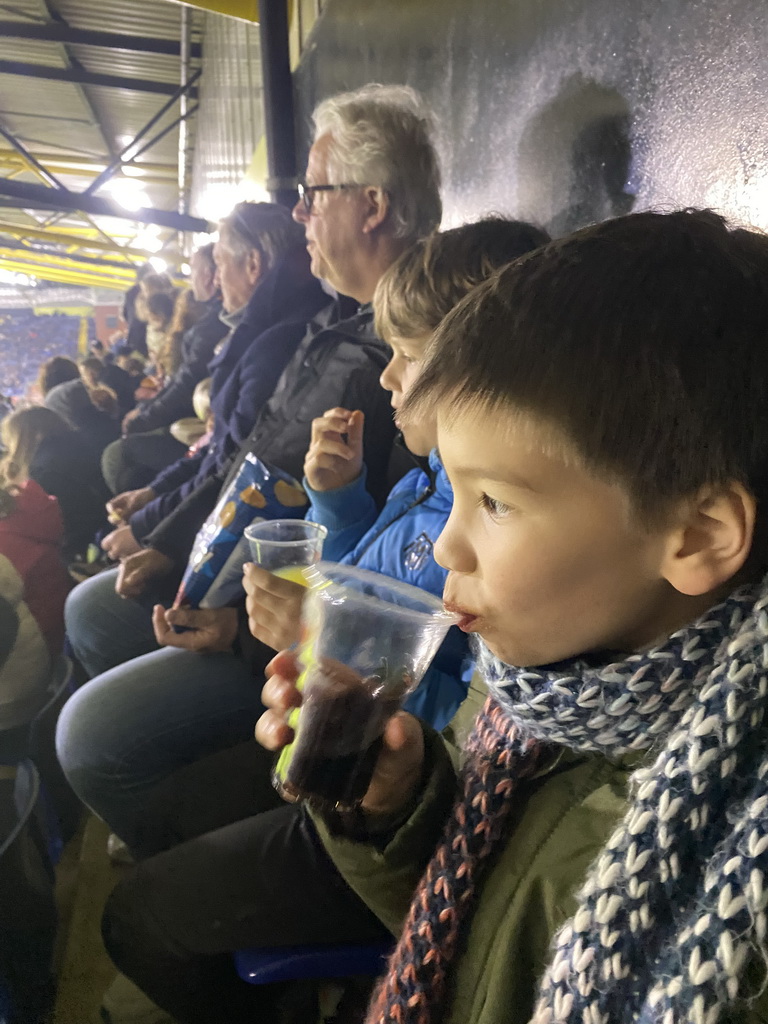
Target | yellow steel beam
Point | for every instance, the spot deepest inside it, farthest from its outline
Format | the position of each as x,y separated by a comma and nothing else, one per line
246,10
61,276
50,259
88,166
35,169
69,239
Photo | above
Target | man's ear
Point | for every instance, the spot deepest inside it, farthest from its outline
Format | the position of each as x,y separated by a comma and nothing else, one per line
713,540
253,265
377,208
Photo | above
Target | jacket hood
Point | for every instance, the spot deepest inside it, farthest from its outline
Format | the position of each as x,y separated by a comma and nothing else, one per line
286,294
282,289
37,516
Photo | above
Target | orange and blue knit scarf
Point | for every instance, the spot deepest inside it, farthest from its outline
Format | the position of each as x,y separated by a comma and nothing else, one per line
676,902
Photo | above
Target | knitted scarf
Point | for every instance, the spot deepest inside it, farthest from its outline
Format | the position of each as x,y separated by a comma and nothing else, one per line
676,902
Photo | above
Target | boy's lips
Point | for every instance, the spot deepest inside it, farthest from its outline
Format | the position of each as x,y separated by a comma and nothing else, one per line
466,619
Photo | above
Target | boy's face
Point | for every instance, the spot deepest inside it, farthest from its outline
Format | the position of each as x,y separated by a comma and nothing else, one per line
546,561
398,377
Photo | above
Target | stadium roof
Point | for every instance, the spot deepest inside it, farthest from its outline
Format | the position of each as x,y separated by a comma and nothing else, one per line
79,81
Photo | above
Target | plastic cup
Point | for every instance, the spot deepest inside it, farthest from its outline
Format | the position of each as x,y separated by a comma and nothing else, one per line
367,640
286,546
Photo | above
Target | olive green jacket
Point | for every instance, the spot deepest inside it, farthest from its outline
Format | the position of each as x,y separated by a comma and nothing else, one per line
563,819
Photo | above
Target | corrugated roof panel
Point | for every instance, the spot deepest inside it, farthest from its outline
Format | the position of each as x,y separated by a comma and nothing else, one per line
154,67
125,113
48,115
28,10
231,115
131,17
33,51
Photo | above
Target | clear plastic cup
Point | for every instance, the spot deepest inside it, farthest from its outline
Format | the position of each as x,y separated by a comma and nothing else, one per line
367,640
286,546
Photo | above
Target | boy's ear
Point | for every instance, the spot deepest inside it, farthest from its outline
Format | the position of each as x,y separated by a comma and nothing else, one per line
377,208
713,540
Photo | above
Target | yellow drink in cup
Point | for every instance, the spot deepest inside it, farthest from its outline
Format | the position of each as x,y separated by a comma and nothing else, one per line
286,546
294,573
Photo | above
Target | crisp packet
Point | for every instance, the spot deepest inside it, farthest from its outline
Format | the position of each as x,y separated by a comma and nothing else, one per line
259,491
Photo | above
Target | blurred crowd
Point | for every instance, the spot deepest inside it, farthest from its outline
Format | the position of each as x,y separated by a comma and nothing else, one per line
27,341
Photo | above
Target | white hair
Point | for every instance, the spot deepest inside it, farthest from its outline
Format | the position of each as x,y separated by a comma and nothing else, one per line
382,135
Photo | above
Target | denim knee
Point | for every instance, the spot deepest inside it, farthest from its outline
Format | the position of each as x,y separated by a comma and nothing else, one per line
105,629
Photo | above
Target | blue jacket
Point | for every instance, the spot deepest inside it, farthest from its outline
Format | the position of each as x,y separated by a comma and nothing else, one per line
398,542
243,376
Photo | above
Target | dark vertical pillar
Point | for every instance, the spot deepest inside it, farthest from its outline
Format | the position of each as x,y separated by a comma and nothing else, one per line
278,101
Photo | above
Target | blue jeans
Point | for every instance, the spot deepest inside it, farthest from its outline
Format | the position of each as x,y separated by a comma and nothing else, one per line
105,629
129,728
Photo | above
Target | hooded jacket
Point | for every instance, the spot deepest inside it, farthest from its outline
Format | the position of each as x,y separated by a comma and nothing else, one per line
31,538
243,376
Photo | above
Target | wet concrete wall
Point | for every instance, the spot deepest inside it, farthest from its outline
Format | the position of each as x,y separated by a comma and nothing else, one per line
569,111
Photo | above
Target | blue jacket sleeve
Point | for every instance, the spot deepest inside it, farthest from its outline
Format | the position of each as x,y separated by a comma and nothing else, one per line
346,512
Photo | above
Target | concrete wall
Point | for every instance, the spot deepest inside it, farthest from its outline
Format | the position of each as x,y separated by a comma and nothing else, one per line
569,111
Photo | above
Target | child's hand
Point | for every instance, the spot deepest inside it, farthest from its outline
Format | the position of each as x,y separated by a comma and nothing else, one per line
335,456
398,768
207,629
122,506
136,571
274,607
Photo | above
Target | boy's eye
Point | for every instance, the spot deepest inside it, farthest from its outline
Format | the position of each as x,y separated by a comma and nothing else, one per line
494,506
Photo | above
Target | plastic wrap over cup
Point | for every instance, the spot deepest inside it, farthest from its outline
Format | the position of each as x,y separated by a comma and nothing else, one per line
213,577
367,640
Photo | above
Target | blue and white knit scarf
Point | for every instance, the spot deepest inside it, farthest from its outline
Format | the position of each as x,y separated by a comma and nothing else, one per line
675,904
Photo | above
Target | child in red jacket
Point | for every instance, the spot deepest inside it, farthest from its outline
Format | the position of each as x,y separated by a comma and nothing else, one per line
31,534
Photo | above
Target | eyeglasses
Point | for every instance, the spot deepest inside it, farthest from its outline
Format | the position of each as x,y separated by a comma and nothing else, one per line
307,192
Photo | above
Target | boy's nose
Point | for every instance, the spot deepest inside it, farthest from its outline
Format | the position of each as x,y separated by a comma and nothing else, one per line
451,550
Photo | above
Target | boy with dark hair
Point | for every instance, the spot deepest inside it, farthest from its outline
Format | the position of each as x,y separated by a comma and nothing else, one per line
157,925
601,415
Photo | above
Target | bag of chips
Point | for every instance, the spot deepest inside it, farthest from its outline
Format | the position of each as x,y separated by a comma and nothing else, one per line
213,577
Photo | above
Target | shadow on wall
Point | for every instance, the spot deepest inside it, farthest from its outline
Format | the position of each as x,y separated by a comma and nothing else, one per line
574,158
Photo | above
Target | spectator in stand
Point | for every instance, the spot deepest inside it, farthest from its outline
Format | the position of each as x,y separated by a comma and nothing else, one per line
25,662
31,536
92,404
40,445
148,447
187,311
159,313
268,293
33,586
55,371
135,339
377,142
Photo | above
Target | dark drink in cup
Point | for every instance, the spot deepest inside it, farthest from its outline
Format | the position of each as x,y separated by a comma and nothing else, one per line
367,642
